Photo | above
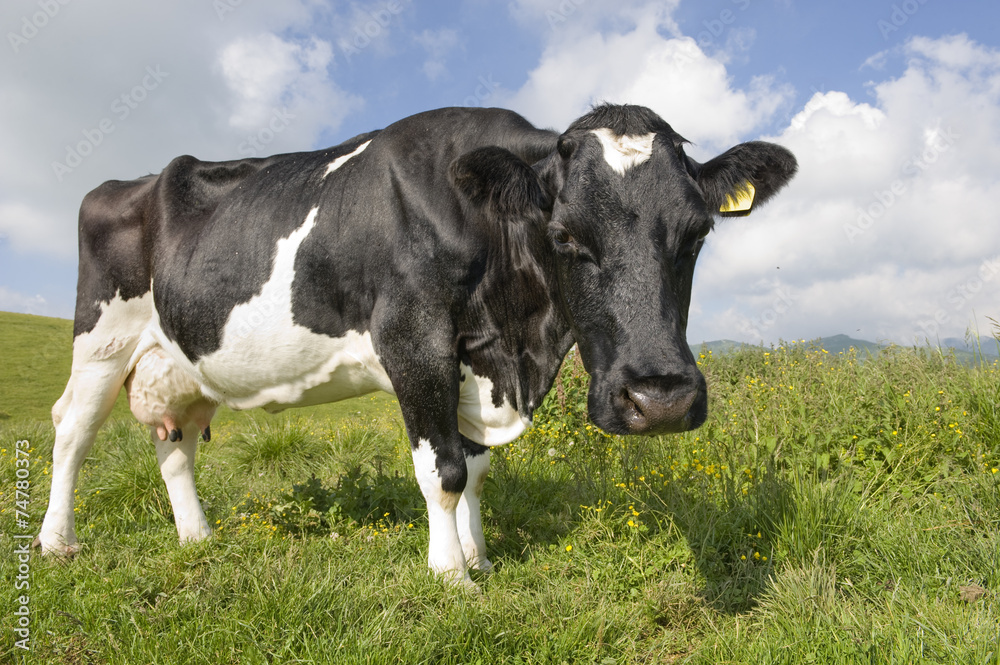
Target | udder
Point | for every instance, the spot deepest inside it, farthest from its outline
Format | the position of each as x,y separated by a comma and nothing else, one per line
164,396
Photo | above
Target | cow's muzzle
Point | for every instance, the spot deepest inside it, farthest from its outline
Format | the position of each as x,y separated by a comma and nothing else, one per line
656,405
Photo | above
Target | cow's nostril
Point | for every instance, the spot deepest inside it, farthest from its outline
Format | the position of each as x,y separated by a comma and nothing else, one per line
661,405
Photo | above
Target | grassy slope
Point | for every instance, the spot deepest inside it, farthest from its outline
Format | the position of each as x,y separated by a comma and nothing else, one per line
829,511
35,356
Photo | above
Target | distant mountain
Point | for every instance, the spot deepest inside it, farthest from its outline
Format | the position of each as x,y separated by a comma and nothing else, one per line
987,346
717,347
834,344
842,343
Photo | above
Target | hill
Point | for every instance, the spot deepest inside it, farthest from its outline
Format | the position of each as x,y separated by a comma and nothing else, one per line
986,346
35,357
834,344
965,354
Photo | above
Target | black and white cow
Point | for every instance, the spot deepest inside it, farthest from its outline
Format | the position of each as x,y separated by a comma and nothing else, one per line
451,259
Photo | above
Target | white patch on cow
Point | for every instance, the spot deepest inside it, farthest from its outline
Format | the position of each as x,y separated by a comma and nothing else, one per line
470,523
340,161
118,328
267,360
102,358
479,419
624,152
445,555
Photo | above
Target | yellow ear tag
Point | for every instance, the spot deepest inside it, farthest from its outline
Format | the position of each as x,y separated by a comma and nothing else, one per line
739,203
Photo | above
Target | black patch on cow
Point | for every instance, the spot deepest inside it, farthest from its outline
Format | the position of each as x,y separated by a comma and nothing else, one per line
114,247
219,236
623,120
517,283
473,449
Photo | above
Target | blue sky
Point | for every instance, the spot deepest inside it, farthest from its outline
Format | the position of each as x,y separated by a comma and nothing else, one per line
893,108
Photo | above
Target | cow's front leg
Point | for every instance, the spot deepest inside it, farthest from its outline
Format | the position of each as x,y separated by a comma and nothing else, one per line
442,475
417,349
176,459
470,523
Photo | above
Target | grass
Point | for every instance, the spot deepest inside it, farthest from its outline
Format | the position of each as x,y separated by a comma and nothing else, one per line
829,511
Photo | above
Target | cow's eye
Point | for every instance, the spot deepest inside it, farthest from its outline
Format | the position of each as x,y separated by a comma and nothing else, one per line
696,245
562,238
690,250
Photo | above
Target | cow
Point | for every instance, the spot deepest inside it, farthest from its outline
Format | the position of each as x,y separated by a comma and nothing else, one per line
451,259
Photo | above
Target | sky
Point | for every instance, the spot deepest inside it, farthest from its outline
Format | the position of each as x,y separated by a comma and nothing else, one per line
890,231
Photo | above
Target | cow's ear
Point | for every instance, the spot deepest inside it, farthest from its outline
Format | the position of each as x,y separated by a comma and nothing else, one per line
743,177
500,181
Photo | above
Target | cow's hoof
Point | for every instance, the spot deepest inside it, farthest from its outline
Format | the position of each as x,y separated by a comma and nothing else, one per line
459,579
482,564
194,536
60,550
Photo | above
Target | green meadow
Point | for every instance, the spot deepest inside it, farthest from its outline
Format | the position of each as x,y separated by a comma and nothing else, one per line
835,508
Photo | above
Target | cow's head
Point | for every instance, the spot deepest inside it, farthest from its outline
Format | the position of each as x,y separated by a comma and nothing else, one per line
626,213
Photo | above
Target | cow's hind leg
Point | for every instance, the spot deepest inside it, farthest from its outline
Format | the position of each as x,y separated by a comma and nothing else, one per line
78,415
102,359
470,524
176,459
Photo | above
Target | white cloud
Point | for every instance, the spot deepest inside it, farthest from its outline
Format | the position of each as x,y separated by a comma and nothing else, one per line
12,301
31,228
890,225
108,90
438,44
889,231
639,65
267,74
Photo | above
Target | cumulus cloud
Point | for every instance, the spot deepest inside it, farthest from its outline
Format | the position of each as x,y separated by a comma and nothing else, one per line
104,91
32,228
438,44
639,65
890,224
270,76
12,301
889,231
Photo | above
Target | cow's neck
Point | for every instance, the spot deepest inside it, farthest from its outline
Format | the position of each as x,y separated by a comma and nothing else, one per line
515,333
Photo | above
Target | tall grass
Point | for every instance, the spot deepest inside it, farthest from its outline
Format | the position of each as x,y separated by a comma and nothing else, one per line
833,509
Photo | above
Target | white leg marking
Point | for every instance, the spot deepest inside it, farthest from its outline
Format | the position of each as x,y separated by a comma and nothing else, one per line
624,152
75,432
101,361
337,163
445,556
177,468
470,523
